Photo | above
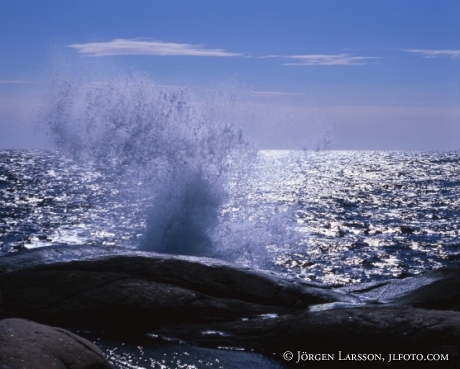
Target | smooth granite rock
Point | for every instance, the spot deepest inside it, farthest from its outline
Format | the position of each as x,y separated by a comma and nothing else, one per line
28,345
436,289
366,330
140,293
124,294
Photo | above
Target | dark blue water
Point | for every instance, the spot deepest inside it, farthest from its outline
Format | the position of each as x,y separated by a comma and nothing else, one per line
332,217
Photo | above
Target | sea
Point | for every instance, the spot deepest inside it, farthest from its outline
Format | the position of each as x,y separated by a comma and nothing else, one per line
335,217
158,169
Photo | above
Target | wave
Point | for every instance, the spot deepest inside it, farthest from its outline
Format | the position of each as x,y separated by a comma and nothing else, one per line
181,144
182,149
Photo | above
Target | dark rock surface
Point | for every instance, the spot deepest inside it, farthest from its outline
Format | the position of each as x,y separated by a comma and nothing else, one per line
369,330
437,289
126,293
142,293
28,345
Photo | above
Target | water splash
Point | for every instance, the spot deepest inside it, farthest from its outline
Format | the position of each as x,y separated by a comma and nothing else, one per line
180,144
179,151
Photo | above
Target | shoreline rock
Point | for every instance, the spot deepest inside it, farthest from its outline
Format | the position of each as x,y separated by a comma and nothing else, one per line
142,293
437,289
383,330
205,302
29,345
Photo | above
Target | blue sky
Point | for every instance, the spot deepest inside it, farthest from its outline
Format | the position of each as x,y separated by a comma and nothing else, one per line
384,74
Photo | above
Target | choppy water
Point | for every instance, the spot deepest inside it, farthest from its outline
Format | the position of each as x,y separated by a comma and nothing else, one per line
332,217
167,355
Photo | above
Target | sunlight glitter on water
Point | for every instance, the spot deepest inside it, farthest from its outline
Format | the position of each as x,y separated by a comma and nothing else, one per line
308,215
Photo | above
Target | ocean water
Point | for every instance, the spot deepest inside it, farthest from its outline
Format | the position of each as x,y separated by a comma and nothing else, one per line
168,170
336,217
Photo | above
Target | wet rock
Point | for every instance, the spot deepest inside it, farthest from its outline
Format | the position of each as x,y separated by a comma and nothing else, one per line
28,345
383,330
127,293
437,289
137,293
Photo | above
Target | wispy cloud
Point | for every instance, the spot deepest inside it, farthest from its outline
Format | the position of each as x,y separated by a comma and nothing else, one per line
12,81
335,59
435,53
269,56
275,93
147,47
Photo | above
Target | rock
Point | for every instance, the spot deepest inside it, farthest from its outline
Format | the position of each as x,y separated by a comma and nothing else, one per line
437,289
28,345
385,331
137,293
126,293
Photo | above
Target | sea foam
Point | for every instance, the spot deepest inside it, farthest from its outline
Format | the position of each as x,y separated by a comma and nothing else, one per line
181,148
180,144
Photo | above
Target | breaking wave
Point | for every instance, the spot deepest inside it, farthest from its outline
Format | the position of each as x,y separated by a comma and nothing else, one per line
181,151
181,144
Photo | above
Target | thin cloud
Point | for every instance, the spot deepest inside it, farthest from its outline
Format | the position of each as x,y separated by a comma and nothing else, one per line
275,93
435,53
337,59
12,82
269,56
144,47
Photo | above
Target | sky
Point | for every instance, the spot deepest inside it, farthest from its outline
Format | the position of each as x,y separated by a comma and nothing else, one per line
354,74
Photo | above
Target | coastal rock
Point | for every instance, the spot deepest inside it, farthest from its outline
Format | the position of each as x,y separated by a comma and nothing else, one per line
367,330
436,289
29,345
136,293
125,294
